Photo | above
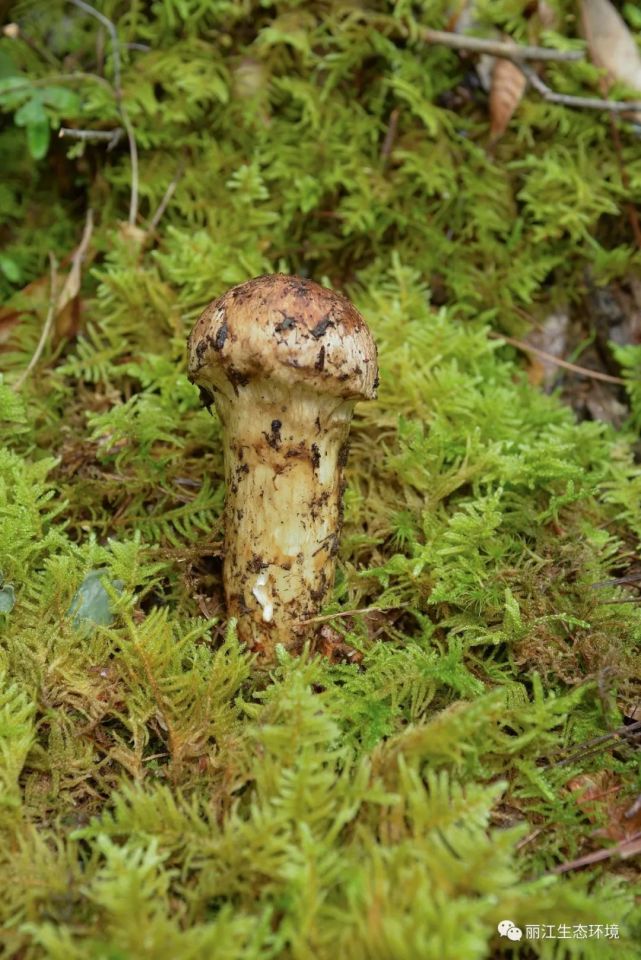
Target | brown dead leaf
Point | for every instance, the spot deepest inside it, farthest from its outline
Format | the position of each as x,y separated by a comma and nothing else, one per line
332,646
610,43
633,713
508,86
36,294
601,797
68,321
67,305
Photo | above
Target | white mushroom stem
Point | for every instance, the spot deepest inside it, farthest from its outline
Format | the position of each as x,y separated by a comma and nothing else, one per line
285,448
285,360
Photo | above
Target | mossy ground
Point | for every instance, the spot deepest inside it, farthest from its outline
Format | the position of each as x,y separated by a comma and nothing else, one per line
398,790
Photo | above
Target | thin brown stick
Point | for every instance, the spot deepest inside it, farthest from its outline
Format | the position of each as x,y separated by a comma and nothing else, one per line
497,48
568,100
584,371
164,203
623,849
390,135
616,581
350,613
133,155
530,837
630,732
46,330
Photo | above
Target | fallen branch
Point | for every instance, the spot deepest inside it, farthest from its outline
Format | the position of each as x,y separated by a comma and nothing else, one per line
568,100
518,53
111,136
496,48
584,371
630,732
627,848
350,613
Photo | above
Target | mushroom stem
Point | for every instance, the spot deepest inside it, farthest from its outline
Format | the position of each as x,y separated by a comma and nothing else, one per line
284,360
284,460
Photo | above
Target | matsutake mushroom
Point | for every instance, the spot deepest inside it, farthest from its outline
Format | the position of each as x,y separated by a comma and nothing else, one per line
284,360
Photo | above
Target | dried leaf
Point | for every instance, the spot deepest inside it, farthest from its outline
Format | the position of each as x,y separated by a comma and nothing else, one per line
610,43
68,304
36,294
508,85
599,797
335,649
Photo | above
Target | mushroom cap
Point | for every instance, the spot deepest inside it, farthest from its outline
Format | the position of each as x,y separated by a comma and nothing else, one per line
288,329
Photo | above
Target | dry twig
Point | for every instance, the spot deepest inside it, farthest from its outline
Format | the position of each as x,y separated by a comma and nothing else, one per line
584,371
164,203
350,613
630,732
518,53
496,48
566,99
627,848
111,136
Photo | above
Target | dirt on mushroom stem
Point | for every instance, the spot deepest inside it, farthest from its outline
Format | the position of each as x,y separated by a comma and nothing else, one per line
284,457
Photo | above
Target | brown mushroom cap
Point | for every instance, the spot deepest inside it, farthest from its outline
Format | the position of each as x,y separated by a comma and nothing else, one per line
289,329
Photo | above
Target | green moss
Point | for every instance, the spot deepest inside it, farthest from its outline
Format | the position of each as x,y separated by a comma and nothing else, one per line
162,794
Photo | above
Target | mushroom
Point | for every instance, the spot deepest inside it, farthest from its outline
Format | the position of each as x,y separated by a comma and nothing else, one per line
284,360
